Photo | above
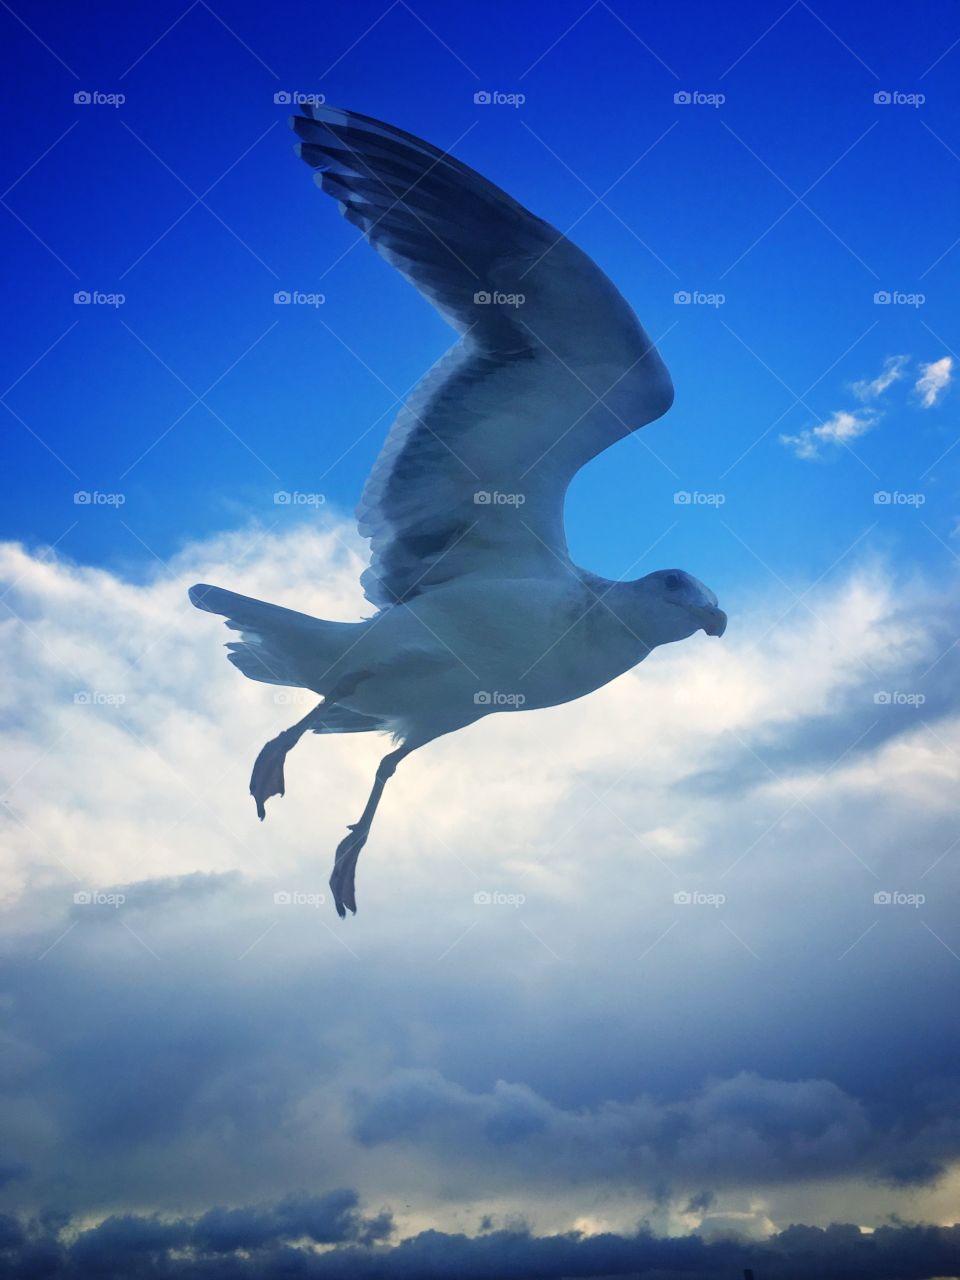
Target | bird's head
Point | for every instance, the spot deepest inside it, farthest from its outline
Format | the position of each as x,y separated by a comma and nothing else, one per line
677,605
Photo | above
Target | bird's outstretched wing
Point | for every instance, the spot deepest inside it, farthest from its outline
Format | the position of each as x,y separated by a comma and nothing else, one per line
552,366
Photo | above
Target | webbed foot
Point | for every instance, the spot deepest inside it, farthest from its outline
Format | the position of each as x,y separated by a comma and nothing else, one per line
267,777
344,870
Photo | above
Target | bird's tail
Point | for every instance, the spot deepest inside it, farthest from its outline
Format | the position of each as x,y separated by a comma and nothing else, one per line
277,645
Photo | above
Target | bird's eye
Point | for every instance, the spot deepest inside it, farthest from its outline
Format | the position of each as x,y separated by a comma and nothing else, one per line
672,581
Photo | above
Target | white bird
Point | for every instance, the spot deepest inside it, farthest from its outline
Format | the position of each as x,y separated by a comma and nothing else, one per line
479,606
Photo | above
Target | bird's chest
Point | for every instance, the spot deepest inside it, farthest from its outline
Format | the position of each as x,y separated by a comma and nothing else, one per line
587,650
537,647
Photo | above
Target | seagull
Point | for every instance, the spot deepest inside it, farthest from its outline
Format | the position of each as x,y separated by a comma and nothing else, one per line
479,607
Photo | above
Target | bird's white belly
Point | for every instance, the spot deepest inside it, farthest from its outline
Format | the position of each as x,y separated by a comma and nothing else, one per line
480,646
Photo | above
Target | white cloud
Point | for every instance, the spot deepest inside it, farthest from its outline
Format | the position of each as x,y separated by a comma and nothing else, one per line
759,766
841,427
934,380
845,425
871,388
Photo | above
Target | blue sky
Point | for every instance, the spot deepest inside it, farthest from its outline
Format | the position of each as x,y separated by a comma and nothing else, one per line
442,1083
693,188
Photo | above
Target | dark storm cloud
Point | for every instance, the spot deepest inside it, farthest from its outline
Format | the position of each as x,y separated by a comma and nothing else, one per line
775,1129
916,1174
10,1170
242,1056
130,1243
329,1219
268,1243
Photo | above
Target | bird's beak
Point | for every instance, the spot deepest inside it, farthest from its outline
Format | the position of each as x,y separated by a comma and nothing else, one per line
713,620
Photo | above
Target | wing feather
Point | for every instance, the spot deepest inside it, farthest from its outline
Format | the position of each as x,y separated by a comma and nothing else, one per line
552,366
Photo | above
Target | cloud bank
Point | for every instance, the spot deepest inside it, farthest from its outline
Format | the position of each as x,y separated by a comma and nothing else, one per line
273,1241
615,960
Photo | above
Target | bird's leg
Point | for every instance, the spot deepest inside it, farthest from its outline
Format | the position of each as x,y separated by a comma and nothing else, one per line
348,850
267,777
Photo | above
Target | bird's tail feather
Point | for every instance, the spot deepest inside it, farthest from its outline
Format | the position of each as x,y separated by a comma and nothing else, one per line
277,645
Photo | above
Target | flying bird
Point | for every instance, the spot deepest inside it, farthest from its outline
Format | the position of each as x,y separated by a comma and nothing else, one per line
479,607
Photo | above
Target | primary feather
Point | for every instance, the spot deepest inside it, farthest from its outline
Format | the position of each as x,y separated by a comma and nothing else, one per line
533,390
